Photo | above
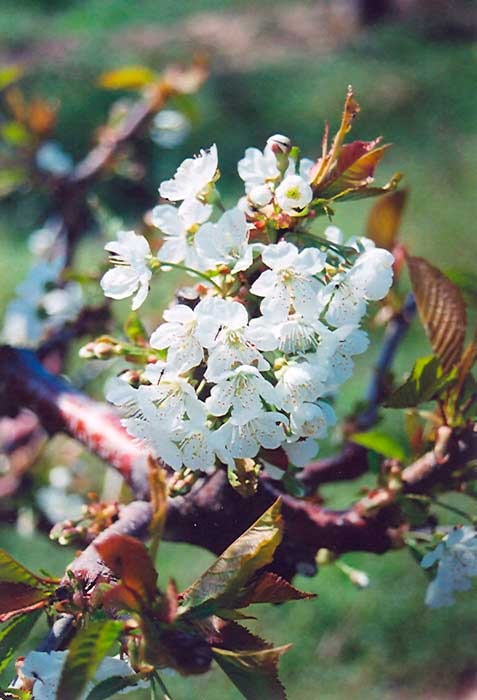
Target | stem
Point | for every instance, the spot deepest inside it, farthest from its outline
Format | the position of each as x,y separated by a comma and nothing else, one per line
157,679
178,266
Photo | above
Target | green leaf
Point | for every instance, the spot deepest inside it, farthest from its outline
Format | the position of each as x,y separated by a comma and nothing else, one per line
427,379
381,443
112,685
219,586
14,633
86,652
466,280
250,663
135,330
11,571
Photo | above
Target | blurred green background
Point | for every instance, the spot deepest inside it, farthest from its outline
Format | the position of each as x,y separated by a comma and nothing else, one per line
284,67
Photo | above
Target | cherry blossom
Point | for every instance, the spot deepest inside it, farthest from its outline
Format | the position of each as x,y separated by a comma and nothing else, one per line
179,226
242,390
290,285
456,557
131,273
226,242
192,177
293,194
178,334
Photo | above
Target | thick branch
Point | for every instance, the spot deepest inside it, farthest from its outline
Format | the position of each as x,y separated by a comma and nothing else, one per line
212,515
61,408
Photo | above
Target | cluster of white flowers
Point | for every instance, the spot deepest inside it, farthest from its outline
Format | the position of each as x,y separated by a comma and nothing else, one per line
268,334
42,301
457,564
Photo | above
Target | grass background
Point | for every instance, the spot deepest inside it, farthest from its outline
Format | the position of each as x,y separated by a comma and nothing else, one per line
420,94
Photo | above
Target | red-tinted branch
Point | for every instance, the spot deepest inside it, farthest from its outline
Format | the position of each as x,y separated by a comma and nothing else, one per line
61,408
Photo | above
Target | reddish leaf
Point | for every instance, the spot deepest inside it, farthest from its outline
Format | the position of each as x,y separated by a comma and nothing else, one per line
250,662
129,559
384,219
17,598
442,310
357,175
271,588
169,603
322,167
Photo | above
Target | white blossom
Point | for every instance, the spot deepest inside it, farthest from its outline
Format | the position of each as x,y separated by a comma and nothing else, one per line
293,194
301,452
235,343
39,308
245,439
178,334
289,286
298,383
225,243
192,177
242,390
311,420
179,226
45,670
131,273
369,279
258,168
456,556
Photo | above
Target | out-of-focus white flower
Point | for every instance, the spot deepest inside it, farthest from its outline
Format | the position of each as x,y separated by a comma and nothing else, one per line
131,273
179,226
289,286
337,350
178,334
301,452
51,158
369,279
457,564
192,177
312,420
58,505
45,670
293,194
242,390
245,439
225,243
170,128
37,307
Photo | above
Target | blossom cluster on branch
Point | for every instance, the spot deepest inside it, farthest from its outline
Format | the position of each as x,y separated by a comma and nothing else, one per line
249,358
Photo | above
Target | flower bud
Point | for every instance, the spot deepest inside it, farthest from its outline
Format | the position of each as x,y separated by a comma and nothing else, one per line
279,144
260,195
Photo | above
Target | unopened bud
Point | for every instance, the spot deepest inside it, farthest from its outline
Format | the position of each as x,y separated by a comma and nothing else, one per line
260,195
279,144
